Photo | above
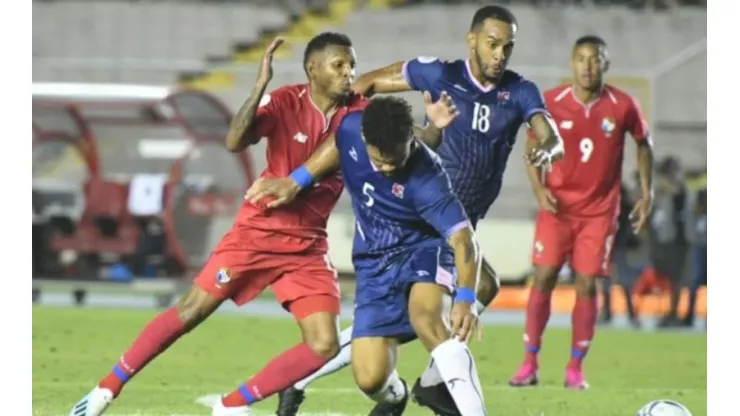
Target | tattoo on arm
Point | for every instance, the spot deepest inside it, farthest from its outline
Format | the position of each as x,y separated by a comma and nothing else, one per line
239,137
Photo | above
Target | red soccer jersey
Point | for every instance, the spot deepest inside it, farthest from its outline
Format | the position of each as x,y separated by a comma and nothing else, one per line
586,182
294,127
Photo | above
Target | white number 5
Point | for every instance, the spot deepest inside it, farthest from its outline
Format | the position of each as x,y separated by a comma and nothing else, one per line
366,190
587,148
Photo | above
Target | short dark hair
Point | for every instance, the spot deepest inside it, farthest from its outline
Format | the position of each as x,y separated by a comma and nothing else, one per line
323,40
590,40
387,124
492,12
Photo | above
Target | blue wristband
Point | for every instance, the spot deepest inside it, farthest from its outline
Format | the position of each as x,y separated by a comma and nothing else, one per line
302,177
465,294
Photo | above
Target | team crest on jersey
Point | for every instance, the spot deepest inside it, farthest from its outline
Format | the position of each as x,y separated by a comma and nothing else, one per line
503,95
397,190
223,276
608,125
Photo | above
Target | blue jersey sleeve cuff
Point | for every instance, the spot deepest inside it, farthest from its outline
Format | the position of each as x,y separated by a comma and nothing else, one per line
405,73
457,227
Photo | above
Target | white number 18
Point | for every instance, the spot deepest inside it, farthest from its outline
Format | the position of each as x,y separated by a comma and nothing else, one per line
587,148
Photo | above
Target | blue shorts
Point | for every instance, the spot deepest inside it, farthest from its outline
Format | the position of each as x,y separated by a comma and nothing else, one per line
381,297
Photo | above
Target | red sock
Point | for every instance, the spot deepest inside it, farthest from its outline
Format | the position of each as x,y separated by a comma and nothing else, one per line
159,334
538,313
282,372
583,320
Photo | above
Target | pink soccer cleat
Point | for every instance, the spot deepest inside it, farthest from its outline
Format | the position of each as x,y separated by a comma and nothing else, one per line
526,376
575,380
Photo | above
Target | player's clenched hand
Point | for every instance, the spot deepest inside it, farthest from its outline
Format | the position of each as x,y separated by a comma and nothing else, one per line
442,112
266,68
547,200
282,190
464,320
640,213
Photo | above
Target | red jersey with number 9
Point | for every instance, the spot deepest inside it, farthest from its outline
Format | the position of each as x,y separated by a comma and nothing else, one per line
586,182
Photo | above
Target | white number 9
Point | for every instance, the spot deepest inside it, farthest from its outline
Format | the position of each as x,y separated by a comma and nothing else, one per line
587,148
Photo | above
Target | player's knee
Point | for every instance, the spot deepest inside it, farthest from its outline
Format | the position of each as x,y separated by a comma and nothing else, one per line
488,287
545,278
369,378
195,306
585,286
320,334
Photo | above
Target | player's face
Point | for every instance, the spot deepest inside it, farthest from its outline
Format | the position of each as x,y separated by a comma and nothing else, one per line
389,164
589,62
491,47
334,70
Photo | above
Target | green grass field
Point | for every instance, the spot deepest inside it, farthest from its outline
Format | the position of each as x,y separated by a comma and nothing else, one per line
74,348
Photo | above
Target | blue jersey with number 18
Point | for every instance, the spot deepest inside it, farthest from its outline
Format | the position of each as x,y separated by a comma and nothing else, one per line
476,147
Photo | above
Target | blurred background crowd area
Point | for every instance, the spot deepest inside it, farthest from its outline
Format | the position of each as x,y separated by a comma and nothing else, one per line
132,100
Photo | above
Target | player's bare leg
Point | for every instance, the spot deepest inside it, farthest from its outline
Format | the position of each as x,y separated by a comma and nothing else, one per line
430,381
429,311
320,344
374,368
192,309
538,313
430,384
583,319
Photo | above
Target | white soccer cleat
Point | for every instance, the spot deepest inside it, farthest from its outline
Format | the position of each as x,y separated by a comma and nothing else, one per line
218,409
94,404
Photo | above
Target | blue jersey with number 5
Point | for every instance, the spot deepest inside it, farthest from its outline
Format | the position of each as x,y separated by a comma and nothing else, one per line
413,209
476,147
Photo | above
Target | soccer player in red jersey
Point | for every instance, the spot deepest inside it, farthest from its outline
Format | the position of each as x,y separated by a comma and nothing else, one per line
285,248
579,200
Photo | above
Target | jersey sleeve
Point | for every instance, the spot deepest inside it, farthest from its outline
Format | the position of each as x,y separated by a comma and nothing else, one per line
530,100
635,122
350,124
422,73
438,205
268,113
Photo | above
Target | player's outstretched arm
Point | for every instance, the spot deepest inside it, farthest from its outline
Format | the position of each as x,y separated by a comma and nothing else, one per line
243,130
389,79
322,162
550,147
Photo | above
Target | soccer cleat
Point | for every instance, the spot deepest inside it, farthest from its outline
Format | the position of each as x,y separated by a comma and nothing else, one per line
289,401
392,409
575,380
437,398
526,376
94,403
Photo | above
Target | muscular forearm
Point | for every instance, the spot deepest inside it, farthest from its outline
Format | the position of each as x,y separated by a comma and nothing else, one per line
430,135
243,123
324,160
384,80
645,167
533,172
467,258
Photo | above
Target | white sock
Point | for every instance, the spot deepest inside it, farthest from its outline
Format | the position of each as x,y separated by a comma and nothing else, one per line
343,359
393,391
457,367
480,307
431,376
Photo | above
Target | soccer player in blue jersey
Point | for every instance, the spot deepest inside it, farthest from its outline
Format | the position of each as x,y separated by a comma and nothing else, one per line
493,103
405,210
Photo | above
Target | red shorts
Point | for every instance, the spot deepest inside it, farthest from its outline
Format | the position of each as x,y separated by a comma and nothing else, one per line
303,283
587,242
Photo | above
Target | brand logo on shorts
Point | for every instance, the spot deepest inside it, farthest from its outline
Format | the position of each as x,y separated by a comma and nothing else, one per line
538,247
223,276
